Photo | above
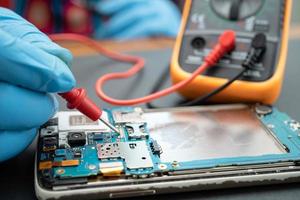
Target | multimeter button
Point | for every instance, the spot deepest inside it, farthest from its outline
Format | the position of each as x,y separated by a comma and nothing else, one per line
226,65
252,74
261,26
238,55
224,61
198,42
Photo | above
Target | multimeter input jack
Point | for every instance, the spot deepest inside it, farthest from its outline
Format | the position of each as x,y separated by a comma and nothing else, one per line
198,43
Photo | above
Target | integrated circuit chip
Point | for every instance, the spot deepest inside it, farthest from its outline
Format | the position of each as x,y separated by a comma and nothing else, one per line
76,138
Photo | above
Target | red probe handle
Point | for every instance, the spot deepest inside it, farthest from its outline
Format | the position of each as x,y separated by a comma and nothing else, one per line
78,99
226,43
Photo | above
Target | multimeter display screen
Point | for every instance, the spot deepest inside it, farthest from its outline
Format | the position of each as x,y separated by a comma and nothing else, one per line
208,19
252,16
200,135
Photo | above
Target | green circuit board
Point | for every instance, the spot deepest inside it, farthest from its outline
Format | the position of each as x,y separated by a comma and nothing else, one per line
74,150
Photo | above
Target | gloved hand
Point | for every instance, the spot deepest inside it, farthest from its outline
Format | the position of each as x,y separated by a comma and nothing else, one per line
129,19
31,66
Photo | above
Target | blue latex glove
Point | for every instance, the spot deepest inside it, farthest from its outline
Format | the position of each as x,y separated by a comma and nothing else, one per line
137,18
31,66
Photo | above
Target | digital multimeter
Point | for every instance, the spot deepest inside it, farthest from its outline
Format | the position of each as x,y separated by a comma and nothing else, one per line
202,23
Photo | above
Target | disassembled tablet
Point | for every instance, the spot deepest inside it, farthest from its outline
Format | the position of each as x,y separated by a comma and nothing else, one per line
165,150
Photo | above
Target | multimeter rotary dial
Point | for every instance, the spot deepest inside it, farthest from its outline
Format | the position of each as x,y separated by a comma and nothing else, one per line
235,10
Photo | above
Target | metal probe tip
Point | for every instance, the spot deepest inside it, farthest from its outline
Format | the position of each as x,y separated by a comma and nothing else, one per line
109,125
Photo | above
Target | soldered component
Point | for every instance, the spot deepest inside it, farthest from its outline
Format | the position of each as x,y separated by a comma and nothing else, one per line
111,168
98,136
60,152
91,167
122,133
135,154
162,167
49,131
293,124
49,143
77,153
60,171
63,140
76,139
155,147
52,148
175,164
136,130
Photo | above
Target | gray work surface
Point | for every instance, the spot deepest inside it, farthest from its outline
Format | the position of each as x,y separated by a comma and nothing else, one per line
16,180
16,175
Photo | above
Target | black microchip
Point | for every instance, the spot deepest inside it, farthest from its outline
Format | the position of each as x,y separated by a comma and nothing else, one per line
47,177
76,139
77,154
81,180
98,136
155,147
49,141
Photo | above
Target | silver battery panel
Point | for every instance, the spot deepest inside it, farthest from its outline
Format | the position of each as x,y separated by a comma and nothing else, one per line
211,134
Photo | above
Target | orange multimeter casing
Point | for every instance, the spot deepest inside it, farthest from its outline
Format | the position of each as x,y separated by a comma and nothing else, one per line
203,21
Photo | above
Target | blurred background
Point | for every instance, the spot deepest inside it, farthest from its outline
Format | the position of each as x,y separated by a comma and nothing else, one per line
16,180
290,96
102,19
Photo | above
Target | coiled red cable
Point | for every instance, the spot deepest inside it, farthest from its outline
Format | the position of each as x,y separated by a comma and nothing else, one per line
225,44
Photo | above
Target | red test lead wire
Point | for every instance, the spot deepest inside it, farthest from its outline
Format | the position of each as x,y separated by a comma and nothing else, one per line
225,44
78,99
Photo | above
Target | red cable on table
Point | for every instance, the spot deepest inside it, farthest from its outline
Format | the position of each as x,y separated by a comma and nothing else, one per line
225,44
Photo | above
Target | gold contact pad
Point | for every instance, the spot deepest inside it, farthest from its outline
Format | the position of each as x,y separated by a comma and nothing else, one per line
45,165
65,163
111,169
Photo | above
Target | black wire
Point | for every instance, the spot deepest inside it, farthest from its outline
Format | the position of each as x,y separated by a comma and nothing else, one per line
255,54
199,100
204,98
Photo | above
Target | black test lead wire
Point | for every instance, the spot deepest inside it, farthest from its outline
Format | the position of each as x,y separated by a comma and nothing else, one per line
254,56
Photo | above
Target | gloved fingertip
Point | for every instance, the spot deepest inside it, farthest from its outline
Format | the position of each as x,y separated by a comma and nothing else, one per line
23,109
105,7
109,7
54,49
54,102
4,12
63,53
64,83
13,143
